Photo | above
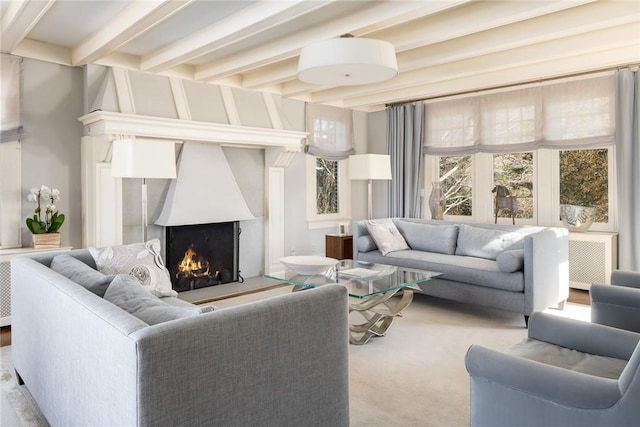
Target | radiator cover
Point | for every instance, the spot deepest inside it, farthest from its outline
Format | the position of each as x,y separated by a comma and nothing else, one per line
592,257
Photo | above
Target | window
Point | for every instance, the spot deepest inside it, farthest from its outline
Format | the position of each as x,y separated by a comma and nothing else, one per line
457,181
515,172
584,180
548,144
328,192
330,142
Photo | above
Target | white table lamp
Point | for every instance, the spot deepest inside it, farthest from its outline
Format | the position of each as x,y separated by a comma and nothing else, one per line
134,158
369,167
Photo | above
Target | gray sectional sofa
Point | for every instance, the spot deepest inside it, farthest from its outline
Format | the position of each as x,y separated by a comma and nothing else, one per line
523,269
85,361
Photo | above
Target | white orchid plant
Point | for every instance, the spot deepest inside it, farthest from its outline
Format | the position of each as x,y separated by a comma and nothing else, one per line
53,220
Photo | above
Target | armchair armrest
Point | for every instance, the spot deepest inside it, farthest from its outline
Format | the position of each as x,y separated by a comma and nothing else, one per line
616,306
547,382
626,278
583,336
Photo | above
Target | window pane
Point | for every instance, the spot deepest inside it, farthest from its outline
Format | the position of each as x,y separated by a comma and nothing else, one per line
457,180
326,186
515,172
584,180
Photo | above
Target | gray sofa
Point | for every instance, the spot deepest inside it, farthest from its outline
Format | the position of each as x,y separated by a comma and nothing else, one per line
565,373
277,362
522,269
618,304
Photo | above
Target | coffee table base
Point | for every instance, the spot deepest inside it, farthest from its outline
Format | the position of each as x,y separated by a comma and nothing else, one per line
379,313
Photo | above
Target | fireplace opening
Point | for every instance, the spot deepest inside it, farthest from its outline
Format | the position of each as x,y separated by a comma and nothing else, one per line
203,255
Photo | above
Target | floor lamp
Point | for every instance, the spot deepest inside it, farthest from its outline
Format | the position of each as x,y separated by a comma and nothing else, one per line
369,167
134,158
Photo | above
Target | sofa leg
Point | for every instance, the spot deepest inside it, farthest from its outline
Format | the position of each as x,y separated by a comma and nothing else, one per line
526,321
561,304
19,379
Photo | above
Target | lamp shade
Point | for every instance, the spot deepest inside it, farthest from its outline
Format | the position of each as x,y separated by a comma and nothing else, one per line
369,166
134,158
347,61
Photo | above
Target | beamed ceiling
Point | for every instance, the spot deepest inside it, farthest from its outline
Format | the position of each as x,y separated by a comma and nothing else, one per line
443,47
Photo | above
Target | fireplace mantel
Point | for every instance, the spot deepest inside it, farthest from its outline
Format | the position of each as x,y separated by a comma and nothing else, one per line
113,123
102,194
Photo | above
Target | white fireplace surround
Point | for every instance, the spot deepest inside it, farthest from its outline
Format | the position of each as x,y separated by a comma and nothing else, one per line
102,194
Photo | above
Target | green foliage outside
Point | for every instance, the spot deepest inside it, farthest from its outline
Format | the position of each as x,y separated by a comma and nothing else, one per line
584,180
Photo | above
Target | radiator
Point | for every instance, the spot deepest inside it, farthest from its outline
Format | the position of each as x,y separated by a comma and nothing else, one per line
5,293
592,257
5,278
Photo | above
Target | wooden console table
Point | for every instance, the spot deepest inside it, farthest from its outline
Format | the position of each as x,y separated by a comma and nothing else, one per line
339,246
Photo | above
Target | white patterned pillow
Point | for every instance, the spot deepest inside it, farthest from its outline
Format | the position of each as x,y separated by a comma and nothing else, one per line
140,260
386,235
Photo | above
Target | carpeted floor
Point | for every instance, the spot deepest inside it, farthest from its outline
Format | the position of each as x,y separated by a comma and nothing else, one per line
414,376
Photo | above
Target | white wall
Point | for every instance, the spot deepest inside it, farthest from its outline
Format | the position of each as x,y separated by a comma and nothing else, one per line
55,96
52,102
377,143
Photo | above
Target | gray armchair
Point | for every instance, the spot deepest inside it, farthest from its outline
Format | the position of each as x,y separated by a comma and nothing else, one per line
617,305
566,373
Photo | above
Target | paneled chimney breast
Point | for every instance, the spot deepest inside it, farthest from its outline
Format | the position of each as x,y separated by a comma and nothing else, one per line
205,190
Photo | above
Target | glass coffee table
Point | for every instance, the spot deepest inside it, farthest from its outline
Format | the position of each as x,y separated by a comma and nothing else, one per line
371,290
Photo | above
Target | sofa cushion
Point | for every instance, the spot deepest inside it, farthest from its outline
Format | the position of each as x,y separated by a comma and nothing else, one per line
366,244
126,292
177,302
511,260
484,243
463,269
81,273
429,238
567,358
386,235
140,260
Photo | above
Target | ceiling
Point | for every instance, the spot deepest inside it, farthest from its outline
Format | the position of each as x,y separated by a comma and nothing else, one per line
443,47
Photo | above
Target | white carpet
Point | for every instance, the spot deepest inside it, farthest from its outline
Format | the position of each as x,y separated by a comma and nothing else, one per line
414,376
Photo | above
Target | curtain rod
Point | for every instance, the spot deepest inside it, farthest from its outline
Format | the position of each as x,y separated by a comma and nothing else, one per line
621,67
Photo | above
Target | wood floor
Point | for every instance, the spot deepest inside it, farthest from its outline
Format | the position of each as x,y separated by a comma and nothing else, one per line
576,296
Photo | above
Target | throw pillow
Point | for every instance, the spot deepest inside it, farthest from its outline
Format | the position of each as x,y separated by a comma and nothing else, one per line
125,292
429,238
140,260
484,243
386,235
511,261
366,244
76,270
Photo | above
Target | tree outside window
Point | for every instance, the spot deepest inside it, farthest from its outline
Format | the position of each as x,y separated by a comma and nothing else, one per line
515,171
584,180
456,179
327,190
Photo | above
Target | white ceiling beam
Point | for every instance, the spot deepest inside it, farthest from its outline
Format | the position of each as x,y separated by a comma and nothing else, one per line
277,73
250,21
289,46
619,23
473,18
591,17
470,35
442,83
19,18
135,20
43,52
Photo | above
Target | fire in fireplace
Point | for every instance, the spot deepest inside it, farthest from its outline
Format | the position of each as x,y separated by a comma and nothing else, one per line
203,255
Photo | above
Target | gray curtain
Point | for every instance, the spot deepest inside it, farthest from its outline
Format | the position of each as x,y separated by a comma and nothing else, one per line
404,145
628,168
